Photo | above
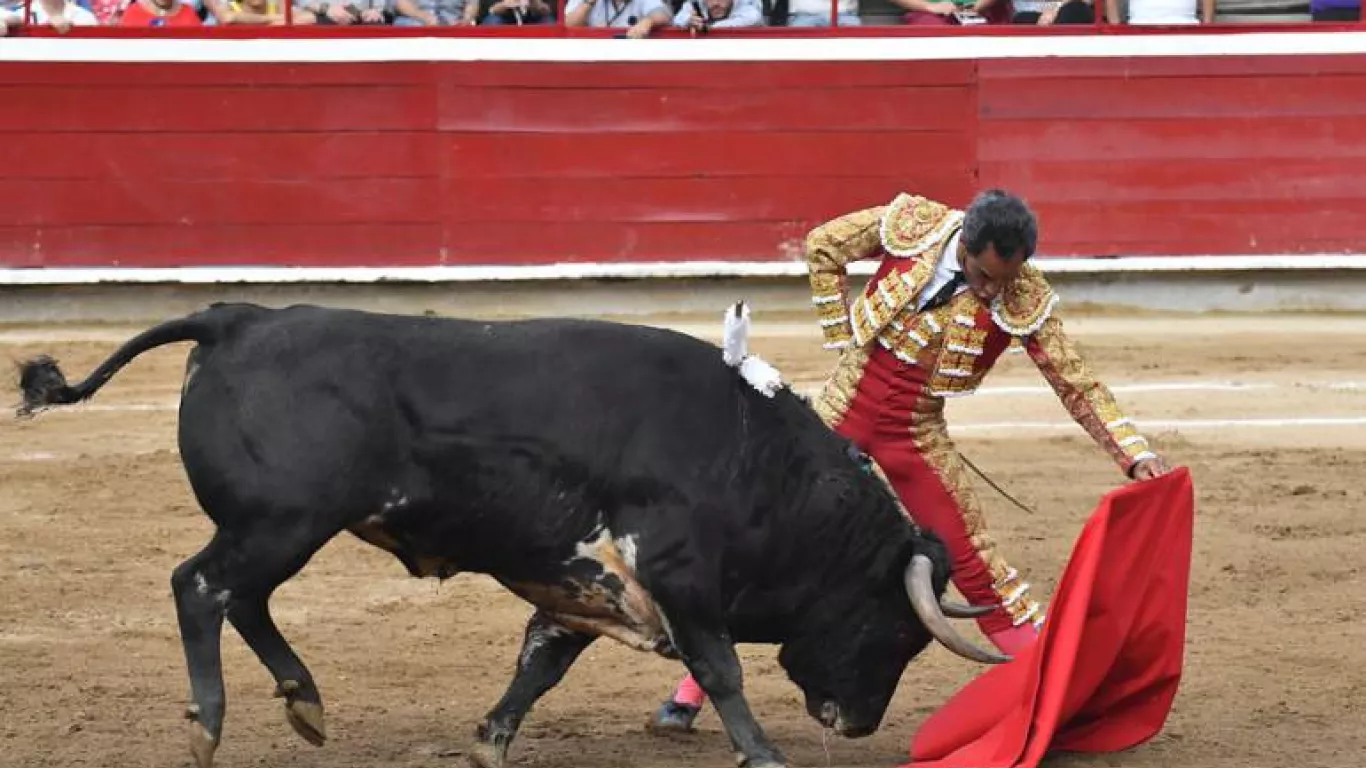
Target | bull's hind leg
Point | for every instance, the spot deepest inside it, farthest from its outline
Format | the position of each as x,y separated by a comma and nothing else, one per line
303,704
548,651
233,577
200,610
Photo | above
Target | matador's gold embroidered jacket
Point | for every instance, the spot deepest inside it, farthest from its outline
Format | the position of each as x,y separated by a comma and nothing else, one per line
956,344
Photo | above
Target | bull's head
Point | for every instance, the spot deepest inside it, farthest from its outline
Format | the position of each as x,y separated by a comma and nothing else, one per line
854,646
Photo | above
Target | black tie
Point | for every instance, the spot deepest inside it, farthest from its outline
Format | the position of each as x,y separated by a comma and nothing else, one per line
945,293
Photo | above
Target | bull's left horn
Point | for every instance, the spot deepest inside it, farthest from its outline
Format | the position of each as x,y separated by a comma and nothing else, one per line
963,611
921,592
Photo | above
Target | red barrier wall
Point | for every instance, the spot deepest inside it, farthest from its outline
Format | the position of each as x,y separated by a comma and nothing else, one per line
1219,155
535,162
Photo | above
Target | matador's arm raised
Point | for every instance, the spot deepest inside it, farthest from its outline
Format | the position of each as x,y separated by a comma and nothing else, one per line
829,248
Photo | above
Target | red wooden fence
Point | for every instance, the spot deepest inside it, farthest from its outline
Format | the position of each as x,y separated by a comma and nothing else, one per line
540,162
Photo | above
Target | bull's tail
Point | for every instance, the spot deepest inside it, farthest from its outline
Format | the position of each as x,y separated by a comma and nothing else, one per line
43,384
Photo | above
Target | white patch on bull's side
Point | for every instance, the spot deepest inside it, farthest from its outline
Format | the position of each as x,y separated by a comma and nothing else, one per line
201,584
588,548
601,540
627,546
735,352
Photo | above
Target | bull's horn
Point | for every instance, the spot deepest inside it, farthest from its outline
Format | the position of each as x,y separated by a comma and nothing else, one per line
962,611
927,608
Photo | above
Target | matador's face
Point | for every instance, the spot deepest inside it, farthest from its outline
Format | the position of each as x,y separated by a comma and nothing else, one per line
987,274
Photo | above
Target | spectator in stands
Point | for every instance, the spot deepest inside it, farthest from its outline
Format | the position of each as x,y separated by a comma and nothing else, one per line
936,12
639,17
1262,12
107,11
337,12
250,13
435,13
815,13
257,12
159,13
61,15
1142,12
499,12
1046,12
1335,10
701,15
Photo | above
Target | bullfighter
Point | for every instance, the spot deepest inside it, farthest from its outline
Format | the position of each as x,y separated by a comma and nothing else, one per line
952,291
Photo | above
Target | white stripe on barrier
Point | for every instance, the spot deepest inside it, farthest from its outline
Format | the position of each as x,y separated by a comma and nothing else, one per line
1149,425
1161,386
854,47
590,271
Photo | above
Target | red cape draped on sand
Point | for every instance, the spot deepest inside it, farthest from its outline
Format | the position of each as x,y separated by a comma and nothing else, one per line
1105,670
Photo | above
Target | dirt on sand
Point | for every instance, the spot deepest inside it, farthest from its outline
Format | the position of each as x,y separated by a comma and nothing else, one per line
95,511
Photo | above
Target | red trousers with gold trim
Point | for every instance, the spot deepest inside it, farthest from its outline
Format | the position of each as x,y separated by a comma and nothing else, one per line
894,420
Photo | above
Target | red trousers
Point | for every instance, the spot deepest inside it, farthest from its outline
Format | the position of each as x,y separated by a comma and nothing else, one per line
894,420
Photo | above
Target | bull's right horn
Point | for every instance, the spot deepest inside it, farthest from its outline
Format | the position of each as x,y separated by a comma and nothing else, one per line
921,592
963,611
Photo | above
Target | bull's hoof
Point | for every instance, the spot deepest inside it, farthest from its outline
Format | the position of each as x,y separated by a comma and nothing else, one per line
743,762
202,745
486,755
307,720
305,717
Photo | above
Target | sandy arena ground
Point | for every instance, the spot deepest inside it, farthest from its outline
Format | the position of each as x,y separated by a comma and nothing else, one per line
95,512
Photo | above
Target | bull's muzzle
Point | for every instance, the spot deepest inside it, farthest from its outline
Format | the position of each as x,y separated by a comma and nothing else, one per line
932,614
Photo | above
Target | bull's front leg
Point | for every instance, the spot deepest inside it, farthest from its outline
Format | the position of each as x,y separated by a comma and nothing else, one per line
710,657
548,651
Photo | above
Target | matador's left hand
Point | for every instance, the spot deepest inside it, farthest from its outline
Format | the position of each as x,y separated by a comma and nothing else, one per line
1150,468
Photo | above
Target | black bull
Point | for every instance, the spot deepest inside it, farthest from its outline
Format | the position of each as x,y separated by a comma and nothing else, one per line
622,479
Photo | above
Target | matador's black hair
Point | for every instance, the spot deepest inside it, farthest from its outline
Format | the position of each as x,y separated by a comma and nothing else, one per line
999,218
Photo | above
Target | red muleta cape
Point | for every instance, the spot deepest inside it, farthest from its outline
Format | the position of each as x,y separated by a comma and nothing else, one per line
1106,668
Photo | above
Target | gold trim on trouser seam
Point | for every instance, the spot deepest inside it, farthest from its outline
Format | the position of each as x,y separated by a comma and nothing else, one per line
838,393
931,439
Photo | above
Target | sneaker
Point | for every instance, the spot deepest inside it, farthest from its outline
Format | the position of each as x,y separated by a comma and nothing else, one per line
674,717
